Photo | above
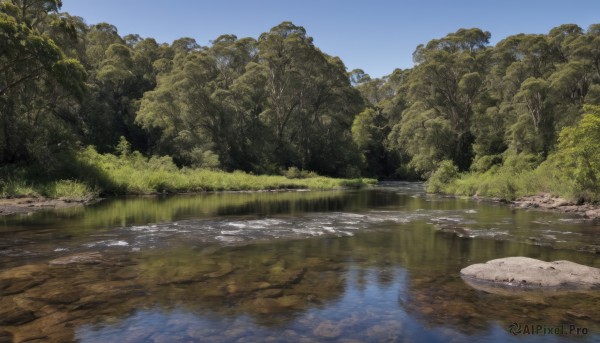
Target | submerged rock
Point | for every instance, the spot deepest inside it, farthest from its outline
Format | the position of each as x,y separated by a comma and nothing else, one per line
19,279
327,329
82,258
6,336
529,272
15,316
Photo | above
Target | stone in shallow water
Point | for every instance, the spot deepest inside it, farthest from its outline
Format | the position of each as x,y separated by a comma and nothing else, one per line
291,301
15,316
19,279
524,271
54,296
5,336
224,269
327,329
83,258
388,331
269,293
265,306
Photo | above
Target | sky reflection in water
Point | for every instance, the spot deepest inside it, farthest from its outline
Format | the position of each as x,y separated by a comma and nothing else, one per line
372,265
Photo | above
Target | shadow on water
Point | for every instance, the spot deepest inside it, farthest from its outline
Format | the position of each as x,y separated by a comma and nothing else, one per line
372,265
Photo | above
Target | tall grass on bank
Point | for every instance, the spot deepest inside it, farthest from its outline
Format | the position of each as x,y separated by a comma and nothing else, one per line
571,171
90,174
64,189
512,180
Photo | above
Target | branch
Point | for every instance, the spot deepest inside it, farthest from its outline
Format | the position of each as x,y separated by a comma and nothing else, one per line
32,75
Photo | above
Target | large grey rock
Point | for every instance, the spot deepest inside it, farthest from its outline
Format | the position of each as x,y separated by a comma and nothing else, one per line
529,272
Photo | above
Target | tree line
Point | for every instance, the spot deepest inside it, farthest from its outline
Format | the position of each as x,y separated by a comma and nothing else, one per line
479,106
258,105
266,104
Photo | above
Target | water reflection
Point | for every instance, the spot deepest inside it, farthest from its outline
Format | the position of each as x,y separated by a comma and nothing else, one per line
166,277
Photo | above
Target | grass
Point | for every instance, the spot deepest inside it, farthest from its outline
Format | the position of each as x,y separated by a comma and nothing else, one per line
128,180
63,189
509,183
90,174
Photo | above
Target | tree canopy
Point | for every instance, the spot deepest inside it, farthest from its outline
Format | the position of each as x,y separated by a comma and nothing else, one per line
277,101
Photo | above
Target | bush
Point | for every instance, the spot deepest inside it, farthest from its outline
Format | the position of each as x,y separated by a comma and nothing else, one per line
89,173
67,189
295,173
292,173
443,175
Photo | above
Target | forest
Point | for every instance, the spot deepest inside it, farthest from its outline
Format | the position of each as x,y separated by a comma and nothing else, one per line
85,109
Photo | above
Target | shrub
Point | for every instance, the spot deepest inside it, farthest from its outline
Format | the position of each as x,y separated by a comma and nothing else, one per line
443,175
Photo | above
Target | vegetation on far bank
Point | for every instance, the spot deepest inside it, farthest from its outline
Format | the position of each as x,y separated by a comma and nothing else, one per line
471,117
90,174
572,171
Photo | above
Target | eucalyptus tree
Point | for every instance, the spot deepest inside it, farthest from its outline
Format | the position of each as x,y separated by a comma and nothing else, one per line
444,86
310,103
181,108
38,85
32,13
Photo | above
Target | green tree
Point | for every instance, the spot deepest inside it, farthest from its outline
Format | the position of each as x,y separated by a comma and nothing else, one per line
310,104
444,86
579,151
37,86
182,109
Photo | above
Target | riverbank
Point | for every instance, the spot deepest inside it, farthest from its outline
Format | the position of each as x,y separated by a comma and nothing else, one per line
89,175
519,183
547,201
30,204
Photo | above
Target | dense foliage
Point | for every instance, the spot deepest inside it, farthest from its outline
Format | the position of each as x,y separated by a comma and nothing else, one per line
466,111
260,105
501,121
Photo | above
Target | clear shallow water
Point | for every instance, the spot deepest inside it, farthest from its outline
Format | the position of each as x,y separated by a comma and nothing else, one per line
370,265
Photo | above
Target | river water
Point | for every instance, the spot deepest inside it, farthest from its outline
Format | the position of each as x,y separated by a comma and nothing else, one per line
373,265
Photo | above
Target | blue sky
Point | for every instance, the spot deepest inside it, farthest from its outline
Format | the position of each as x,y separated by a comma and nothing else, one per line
375,35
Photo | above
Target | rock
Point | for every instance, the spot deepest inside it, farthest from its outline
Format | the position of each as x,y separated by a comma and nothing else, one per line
529,272
241,287
578,315
19,279
457,230
528,294
291,301
265,306
290,335
9,287
327,329
126,273
15,316
593,214
270,293
235,332
386,331
181,275
83,258
548,202
5,336
54,296
282,277
224,269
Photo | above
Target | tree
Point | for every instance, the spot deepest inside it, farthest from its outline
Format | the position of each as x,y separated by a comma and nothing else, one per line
579,150
182,109
444,86
37,85
310,103
31,13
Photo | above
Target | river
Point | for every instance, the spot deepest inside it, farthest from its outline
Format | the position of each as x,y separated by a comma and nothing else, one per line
371,265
